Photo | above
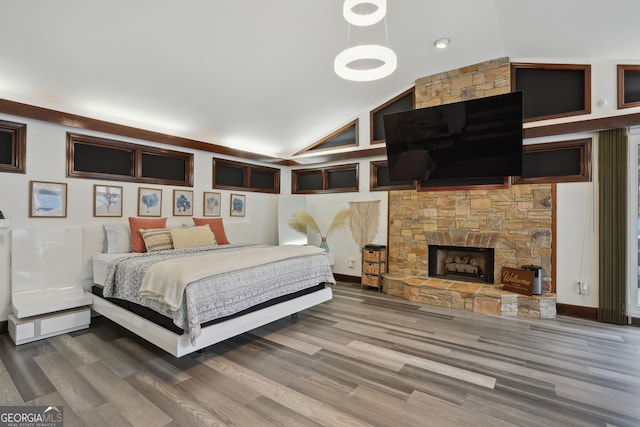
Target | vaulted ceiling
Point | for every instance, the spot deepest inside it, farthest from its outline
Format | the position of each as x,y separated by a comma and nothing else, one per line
258,75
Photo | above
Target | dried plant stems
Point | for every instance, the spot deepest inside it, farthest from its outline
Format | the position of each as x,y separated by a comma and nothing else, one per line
302,220
339,219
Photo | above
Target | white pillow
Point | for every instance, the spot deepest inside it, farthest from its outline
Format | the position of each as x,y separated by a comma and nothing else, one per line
118,238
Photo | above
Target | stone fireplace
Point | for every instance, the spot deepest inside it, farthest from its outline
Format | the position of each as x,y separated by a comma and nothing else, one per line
515,222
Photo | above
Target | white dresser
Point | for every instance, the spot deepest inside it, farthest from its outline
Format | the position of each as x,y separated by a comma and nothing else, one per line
47,296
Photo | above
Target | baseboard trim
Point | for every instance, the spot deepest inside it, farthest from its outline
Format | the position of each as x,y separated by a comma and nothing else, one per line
348,279
4,327
635,321
590,313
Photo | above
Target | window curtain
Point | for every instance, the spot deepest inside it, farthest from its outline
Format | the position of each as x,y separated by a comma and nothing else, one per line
612,176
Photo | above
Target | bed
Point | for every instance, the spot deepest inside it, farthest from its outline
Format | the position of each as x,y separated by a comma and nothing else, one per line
186,299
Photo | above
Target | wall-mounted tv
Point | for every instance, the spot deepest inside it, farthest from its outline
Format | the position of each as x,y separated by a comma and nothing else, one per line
475,138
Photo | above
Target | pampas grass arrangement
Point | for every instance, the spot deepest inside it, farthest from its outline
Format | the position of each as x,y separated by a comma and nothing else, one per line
302,220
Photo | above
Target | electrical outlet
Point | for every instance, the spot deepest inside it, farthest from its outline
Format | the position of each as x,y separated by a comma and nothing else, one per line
352,263
582,288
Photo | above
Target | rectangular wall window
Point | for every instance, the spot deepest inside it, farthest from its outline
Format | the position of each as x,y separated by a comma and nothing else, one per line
263,178
552,90
101,158
97,159
628,86
379,178
13,146
552,162
158,166
231,175
334,179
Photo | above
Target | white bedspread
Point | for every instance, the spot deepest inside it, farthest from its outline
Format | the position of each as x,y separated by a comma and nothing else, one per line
167,280
100,265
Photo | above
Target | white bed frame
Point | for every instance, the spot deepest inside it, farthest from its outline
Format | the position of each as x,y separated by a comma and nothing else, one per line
180,345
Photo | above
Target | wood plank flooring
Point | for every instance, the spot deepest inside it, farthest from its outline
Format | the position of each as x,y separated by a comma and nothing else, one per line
362,359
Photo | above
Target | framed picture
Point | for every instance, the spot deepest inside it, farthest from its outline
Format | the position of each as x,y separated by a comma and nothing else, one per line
238,205
212,204
107,200
149,201
47,199
182,203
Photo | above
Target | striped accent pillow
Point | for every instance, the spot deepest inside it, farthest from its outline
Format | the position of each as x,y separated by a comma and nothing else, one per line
157,239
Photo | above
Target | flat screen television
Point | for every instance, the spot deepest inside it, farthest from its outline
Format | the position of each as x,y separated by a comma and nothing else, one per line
475,138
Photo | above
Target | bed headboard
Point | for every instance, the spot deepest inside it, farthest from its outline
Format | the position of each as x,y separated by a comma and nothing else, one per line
239,232
93,242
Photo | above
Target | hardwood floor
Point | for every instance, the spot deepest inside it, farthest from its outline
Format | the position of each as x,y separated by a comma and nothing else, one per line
363,358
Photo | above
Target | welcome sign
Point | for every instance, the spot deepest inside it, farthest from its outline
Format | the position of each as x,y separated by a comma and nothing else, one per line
517,280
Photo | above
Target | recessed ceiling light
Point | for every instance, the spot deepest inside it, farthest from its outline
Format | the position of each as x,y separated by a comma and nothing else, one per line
441,43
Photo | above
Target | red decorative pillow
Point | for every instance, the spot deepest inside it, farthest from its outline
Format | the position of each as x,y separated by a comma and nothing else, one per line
136,224
216,225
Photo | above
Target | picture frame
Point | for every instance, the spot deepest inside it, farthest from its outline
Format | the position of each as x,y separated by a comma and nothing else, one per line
182,203
211,204
107,200
47,199
237,205
149,201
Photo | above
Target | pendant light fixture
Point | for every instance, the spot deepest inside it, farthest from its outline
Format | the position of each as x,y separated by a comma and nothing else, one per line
364,19
345,61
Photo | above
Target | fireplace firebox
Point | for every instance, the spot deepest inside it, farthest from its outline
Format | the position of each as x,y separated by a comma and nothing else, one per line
461,263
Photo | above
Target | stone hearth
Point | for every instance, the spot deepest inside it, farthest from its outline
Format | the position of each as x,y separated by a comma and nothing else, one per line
476,297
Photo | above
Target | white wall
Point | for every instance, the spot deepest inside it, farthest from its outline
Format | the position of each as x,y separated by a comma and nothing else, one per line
46,161
323,207
576,231
577,242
